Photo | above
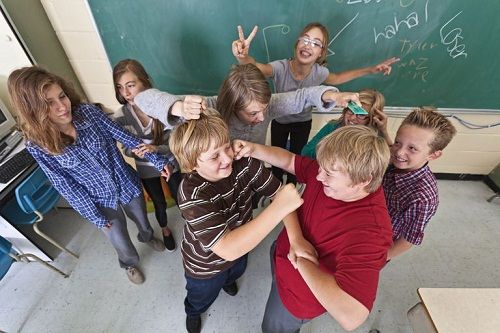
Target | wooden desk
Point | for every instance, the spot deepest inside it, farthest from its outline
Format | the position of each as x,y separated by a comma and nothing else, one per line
460,310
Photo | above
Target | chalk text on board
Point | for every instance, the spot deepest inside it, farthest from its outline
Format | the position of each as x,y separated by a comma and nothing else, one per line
408,46
391,30
353,2
452,39
416,69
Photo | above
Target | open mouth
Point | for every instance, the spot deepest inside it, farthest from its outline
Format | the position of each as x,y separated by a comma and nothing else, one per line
305,53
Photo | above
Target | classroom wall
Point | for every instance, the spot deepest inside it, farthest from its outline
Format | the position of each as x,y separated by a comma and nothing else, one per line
36,31
471,152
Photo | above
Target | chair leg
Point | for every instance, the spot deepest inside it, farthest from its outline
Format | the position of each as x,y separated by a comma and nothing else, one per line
37,259
496,195
52,241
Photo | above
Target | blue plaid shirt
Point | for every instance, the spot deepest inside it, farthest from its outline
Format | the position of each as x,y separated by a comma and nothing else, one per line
92,173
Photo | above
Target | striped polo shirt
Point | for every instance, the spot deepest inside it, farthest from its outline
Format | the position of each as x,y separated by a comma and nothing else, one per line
212,209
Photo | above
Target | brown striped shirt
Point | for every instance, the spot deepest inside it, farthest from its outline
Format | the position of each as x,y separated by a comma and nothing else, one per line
212,209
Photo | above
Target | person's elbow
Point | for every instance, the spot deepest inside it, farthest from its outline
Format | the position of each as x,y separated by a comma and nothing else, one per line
351,321
224,249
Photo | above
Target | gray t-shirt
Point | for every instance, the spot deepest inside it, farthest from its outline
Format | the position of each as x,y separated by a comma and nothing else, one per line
284,81
156,104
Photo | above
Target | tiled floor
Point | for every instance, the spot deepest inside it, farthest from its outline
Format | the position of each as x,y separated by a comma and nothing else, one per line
461,249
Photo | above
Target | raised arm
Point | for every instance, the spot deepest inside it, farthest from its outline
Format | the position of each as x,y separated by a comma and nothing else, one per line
324,98
275,156
169,109
384,67
241,47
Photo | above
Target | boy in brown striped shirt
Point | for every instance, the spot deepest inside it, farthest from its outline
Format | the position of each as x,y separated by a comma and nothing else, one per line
215,199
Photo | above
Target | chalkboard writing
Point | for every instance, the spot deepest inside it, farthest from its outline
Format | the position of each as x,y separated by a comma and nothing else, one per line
448,48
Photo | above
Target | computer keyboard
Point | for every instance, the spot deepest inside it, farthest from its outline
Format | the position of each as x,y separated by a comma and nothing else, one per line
15,165
9,143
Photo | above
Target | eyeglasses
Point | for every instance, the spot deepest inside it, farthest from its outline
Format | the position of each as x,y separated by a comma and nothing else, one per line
359,116
308,41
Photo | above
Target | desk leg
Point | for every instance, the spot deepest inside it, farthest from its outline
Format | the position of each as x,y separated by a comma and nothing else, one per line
420,321
19,241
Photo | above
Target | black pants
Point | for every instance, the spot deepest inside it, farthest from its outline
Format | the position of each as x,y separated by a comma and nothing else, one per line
299,134
155,191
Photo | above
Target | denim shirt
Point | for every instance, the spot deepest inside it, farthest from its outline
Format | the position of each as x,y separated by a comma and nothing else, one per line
91,173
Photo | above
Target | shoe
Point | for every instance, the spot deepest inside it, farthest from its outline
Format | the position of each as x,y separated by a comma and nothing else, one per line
156,244
193,324
135,275
231,289
169,242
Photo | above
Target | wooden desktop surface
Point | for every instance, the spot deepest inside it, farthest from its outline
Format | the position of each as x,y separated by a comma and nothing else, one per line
467,310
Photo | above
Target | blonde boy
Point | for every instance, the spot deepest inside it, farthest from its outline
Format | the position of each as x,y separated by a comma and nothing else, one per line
409,185
215,200
345,219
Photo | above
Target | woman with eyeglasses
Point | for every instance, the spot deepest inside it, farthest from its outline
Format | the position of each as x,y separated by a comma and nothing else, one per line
307,68
373,102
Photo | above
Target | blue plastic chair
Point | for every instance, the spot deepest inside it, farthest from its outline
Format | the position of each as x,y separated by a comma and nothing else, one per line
8,256
35,196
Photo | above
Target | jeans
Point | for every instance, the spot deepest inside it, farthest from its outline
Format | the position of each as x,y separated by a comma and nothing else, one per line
118,234
201,293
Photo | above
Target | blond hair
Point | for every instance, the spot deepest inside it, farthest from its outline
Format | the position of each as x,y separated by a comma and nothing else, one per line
429,118
375,102
194,137
243,84
358,151
27,87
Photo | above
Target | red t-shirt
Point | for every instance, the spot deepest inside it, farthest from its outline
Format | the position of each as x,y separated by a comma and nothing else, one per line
352,239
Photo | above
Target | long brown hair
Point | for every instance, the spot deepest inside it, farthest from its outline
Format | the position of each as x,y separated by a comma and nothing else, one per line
243,84
322,59
27,87
135,67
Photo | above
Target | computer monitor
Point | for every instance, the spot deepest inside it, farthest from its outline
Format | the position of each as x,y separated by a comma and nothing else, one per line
7,122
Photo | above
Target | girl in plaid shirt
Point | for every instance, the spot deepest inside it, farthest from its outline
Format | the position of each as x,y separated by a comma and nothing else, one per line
75,145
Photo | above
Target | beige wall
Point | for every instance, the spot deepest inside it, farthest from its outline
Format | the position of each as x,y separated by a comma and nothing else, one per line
35,29
472,151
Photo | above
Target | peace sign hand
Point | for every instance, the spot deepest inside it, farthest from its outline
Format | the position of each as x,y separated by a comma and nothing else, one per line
241,46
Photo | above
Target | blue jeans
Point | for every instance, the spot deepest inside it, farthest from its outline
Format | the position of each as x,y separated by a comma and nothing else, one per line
201,293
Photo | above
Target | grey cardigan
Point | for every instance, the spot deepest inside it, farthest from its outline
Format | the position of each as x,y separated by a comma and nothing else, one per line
129,122
157,104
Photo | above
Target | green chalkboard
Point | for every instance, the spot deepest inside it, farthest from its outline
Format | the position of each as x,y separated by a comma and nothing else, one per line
449,49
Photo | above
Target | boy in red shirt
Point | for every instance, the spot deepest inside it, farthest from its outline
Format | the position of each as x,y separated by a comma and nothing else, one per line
345,219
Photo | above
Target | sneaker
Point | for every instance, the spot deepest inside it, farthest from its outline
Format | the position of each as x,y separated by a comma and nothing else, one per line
156,244
169,242
193,324
231,289
134,275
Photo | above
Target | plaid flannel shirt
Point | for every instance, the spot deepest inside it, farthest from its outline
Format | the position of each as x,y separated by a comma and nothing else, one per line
412,199
92,173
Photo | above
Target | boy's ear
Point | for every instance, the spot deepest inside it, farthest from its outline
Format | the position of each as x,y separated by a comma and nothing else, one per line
435,155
